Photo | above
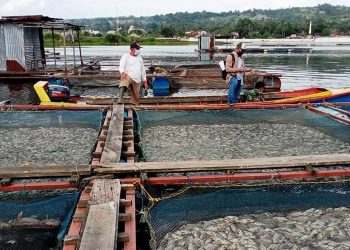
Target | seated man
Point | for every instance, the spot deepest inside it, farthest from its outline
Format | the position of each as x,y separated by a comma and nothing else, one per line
256,94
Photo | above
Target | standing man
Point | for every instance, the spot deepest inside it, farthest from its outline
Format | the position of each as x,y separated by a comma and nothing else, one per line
235,73
133,74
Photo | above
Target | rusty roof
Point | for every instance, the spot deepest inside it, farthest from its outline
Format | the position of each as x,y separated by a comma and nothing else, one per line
34,18
44,22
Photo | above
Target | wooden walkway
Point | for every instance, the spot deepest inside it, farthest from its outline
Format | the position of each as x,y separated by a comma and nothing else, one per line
113,145
97,217
45,170
234,164
101,227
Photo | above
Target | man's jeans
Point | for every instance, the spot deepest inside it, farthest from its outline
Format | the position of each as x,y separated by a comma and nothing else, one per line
234,90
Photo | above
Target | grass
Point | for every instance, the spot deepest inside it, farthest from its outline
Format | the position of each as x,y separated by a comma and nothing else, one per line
100,41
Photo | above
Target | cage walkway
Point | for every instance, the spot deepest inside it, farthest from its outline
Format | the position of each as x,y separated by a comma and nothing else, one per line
116,139
234,164
103,219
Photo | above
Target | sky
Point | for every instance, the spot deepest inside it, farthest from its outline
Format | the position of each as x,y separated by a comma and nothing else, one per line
69,9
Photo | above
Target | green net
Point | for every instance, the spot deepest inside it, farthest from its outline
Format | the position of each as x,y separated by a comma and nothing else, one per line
48,137
230,134
35,219
250,216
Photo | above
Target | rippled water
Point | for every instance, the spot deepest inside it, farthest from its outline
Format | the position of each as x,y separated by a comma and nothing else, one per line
327,67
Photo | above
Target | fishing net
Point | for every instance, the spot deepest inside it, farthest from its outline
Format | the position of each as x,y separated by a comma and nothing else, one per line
48,137
57,118
243,215
218,216
230,134
35,219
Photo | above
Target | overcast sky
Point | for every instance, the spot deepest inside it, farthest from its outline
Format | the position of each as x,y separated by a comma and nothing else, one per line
108,8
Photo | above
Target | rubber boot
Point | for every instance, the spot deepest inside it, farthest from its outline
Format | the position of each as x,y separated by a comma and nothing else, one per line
122,90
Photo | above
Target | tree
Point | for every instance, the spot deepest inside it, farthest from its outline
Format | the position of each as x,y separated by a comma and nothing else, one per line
111,38
244,26
167,31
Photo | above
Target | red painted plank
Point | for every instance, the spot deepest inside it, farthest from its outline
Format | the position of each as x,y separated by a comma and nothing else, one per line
166,180
38,186
130,226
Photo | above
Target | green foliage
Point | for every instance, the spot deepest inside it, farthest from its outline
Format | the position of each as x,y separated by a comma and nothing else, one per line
111,38
48,36
253,23
168,31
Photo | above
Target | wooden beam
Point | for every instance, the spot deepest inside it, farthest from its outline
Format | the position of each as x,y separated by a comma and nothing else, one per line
99,231
45,170
112,149
105,190
234,164
101,227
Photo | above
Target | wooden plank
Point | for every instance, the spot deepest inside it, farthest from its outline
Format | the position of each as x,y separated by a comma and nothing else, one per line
123,237
112,150
234,164
46,170
100,230
105,190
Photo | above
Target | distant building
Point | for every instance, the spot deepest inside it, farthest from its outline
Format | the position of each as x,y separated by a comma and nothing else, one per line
93,32
196,34
132,29
192,34
235,35
111,32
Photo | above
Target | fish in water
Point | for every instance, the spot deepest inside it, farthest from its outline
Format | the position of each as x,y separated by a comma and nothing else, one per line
30,222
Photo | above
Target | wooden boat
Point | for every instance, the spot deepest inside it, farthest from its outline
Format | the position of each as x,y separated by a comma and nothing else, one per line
210,78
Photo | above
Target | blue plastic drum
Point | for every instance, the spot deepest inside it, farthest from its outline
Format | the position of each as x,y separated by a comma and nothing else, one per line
161,86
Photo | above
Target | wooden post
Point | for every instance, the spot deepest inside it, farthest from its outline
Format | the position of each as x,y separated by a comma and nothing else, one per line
73,49
54,46
81,58
64,46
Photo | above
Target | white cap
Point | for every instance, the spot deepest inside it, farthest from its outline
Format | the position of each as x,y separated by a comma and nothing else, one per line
241,46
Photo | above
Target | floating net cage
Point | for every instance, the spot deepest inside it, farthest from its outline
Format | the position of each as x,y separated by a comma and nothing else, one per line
257,214
48,137
233,134
36,219
254,215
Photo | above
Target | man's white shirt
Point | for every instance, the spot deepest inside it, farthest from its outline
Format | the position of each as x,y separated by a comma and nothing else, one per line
133,66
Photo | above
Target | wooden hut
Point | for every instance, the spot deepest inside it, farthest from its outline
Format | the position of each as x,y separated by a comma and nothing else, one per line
22,41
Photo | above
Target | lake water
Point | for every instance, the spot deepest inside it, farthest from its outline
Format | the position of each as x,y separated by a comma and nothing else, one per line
326,67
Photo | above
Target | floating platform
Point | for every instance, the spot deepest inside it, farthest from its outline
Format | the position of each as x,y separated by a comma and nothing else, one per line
103,207
262,50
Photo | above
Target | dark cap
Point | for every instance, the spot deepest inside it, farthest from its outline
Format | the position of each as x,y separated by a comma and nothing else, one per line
135,46
241,46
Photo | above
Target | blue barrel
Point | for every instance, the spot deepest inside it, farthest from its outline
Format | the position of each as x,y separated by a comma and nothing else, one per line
161,86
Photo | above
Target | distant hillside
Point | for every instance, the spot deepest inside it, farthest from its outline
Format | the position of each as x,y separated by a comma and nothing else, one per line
253,23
